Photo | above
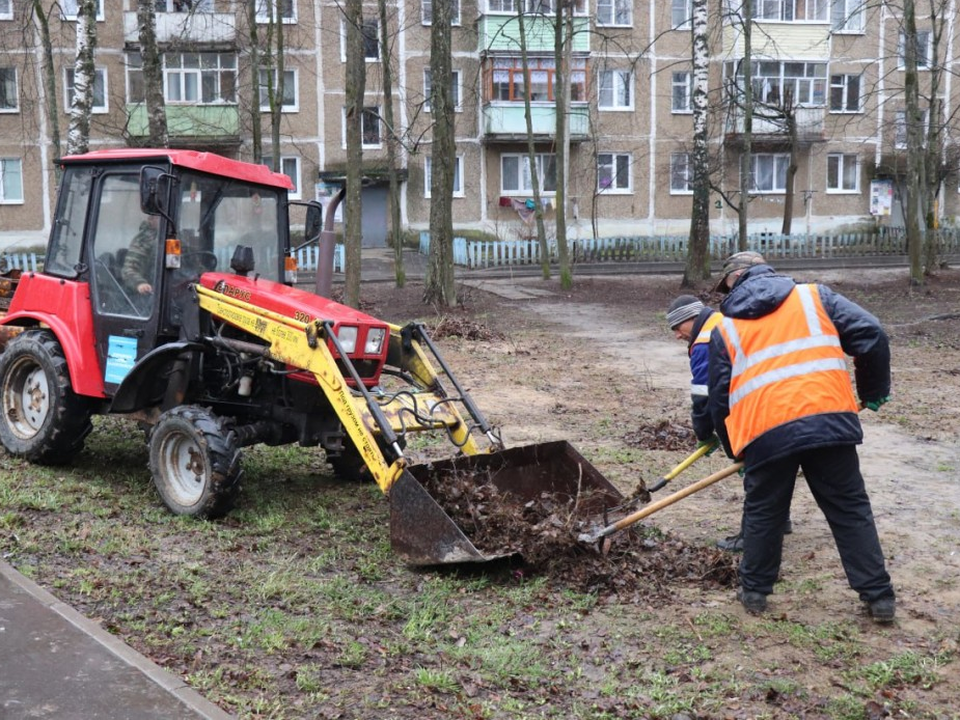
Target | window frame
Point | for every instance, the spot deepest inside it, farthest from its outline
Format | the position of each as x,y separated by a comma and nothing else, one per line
13,110
924,58
189,6
681,6
297,192
786,11
842,160
457,177
366,39
615,188
613,7
263,17
841,83
68,85
369,111
183,72
814,96
900,127
601,88
426,16
847,20
284,108
428,89
72,17
687,86
523,161
675,158
4,200
8,13
777,159
511,68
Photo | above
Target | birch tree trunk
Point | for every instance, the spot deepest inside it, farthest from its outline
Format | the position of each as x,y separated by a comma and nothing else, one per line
355,87
78,130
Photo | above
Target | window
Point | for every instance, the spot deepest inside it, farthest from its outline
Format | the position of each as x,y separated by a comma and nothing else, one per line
454,90
9,92
426,12
791,10
457,176
290,95
6,9
846,16
200,78
615,12
842,173
369,127
99,90
900,128
268,9
507,82
845,93
681,174
502,6
682,101
769,173
11,181
544,7
516,178
796,83
616,90
370,30
681,14
613,173
289,166
923,50
184,6
71,7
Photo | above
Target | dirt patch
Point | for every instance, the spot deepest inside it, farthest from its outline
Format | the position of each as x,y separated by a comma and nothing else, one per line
664,435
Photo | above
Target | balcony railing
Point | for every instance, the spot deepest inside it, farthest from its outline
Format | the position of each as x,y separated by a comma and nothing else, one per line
215,122
767,128
193,28
506,122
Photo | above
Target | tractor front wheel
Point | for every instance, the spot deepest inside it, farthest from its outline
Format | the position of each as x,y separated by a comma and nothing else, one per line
42,420
195,462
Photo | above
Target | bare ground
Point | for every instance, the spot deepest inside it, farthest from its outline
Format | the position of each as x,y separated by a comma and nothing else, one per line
595,366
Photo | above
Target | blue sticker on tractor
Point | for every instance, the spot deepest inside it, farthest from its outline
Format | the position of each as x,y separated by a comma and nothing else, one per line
121,355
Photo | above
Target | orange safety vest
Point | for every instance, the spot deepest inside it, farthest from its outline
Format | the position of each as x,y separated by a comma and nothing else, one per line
784,366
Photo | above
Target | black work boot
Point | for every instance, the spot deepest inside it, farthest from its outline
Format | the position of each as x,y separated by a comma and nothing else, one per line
734,543
882,610
753,602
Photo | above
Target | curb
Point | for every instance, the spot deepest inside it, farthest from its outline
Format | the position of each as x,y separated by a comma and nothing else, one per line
173,685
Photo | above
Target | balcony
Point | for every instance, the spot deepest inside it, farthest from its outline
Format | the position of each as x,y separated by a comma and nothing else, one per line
506,122
771,132
501,33
207,29
201,123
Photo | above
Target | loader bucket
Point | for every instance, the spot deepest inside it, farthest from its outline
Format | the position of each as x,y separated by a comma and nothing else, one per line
423,533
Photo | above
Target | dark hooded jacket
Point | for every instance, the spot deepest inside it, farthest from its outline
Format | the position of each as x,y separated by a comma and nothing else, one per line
699,368
758,292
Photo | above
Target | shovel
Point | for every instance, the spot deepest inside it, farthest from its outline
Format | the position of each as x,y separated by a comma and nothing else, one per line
694,456
595,535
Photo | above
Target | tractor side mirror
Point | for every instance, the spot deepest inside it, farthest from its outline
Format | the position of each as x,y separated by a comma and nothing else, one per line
313,224
153,190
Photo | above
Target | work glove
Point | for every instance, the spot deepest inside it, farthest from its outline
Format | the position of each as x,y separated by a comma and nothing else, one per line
875,404
713,442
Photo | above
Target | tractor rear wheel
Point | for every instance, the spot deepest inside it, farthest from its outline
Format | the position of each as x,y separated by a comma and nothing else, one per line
195,462
42,419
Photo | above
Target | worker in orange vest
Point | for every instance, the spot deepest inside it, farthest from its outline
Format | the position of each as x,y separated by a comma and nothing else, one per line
781,400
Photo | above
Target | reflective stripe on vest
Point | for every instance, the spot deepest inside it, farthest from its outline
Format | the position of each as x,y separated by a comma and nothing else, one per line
784,366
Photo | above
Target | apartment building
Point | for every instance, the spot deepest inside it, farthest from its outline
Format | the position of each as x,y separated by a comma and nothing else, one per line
835,64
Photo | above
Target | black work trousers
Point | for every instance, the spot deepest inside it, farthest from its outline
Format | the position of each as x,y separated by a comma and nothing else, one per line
833,475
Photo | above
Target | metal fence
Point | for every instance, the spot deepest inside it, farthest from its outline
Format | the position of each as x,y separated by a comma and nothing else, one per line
26,262
673,248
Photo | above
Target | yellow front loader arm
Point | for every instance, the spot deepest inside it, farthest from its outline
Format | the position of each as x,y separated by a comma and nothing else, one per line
303,345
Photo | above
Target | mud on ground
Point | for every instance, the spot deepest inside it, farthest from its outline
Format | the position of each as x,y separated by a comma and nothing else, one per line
293,606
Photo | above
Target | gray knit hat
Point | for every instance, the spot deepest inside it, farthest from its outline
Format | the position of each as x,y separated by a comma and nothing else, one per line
682,309
737,261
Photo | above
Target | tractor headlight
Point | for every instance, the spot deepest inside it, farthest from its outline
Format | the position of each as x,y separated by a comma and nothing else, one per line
347,335
374,341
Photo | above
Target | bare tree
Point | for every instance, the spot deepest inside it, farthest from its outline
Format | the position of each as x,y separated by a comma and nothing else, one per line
563,46
355,85
746,134
84,73
393,142
698,248
152,74
42,19
915,153
439,285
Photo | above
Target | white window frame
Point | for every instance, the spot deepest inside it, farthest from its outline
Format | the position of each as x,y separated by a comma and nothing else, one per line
771,88
458,191
900,128
99,72
815,11
289,166
924,50
779,163
368,113
457,90
70,8
343,40
687,173
609,165
16,92
291,79
682,81
264,7
6,9
841,83
615,13
842,161
524,182
678,8
426,13
186,6
610,81
4,200
846,17
182,74
495,7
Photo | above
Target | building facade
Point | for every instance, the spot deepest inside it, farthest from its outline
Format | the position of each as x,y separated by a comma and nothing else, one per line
834,68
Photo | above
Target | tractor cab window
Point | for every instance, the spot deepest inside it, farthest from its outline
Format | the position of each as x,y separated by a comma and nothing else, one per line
217,215
126,245
66,241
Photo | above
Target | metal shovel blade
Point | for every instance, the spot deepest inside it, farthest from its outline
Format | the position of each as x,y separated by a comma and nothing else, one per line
423,533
